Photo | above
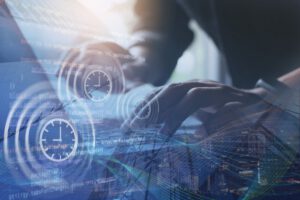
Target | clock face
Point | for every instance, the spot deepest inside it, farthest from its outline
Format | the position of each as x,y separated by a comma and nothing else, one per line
58,140
97,85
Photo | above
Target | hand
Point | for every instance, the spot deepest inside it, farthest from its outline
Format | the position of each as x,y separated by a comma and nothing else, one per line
148,67
79,62
179,101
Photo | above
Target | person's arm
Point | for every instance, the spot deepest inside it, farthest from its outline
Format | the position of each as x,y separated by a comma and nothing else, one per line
162,35
178,101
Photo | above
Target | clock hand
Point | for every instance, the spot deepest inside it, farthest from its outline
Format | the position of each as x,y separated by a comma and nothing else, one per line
99,79
60,139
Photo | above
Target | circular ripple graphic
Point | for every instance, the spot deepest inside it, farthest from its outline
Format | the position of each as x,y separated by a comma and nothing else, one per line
33,109
128,107
106,76
78,82
58,139
97,85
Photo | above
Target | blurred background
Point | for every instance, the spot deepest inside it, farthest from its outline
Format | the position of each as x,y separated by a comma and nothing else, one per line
201,60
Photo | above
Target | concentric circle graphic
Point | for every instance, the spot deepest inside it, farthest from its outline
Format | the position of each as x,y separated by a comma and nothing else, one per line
130,104
103,76
61,146
48,160
97,85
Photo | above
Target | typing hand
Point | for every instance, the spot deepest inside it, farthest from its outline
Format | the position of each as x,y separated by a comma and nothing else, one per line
179,101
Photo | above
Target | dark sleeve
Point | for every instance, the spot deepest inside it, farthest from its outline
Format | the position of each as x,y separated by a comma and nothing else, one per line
162,27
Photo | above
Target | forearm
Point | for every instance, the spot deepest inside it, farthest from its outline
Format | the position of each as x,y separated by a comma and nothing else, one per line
162,34
154,64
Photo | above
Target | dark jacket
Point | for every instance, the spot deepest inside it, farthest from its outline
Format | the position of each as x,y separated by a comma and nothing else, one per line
259,38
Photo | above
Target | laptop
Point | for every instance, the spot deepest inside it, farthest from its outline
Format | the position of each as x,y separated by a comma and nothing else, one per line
25,84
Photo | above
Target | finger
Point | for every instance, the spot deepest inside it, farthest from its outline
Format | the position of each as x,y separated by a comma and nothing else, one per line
199,114
164,99
145,101
231,106
195,99
167,98
245,96
226,114
201,133
125,127
203,115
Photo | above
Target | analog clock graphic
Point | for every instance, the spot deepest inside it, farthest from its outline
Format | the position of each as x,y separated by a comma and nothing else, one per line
97,85
58,140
